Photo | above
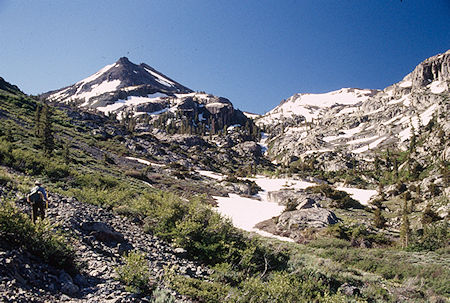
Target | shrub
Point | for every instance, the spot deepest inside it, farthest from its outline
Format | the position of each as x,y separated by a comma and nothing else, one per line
196,227
5,178
161,295
135,272
40,239
432,237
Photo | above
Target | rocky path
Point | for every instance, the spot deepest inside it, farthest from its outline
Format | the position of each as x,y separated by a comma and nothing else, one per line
99,238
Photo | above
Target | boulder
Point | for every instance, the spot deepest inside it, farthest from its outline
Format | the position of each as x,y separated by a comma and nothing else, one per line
102,232
349,290
306,218
248,148
306,203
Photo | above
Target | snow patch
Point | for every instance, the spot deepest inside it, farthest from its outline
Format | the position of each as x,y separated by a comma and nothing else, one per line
164,81
211,174
405,84
361,195
104,87
369,146
146,162
438,87
361,140
427,115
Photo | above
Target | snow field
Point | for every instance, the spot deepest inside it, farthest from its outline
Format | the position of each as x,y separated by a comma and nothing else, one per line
245,212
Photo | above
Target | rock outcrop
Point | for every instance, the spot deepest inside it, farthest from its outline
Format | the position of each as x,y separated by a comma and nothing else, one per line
306,218
350,123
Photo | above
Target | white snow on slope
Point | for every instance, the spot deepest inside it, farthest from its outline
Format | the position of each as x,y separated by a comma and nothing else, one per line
251,115
392,120
132,100
344,96
427,115
369,146
238,209
310,105
405,134
104,87
164,81
437,87
361,140
245,212
347,133
361,195
146,162
95,76
211,174
405,84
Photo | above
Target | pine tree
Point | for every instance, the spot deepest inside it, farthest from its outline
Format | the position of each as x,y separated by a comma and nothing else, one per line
377,166
405,229
381,191
47,139
388,159
66,153
413,140
379,220
429,216
395,168
37,120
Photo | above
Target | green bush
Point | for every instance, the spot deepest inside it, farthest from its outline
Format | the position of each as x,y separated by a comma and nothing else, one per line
40,239
135,272
433,236
161,295
207,237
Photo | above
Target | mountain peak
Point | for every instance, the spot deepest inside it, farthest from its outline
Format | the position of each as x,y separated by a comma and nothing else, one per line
123,60
116,81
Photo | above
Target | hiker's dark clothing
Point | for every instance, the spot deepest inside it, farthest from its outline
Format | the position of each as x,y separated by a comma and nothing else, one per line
40,189
38,207
38,210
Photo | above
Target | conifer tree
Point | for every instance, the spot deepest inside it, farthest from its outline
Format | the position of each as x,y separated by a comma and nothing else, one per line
388,159
47,139
377,166
66,153
413,140
379,220
395,168
405,229
37,120
429,216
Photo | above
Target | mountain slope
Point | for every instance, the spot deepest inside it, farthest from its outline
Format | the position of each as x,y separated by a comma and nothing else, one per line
142,96
357,121
118,80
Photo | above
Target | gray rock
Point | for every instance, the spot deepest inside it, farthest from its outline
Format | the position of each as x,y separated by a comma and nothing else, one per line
102,232
306,218
349,290
70,289
307,203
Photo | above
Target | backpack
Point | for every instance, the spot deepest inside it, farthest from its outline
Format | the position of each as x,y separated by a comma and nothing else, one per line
35,196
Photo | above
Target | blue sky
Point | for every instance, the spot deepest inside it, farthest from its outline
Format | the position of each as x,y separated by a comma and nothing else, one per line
255,53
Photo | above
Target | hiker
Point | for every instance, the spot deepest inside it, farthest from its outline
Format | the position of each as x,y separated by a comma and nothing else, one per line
36,198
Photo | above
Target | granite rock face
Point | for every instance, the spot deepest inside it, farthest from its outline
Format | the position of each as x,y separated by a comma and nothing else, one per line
349,124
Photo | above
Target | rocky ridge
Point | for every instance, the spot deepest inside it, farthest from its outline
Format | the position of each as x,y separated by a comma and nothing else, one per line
354,121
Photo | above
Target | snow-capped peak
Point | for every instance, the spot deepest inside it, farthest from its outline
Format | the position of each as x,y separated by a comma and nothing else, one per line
311,105
116,81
